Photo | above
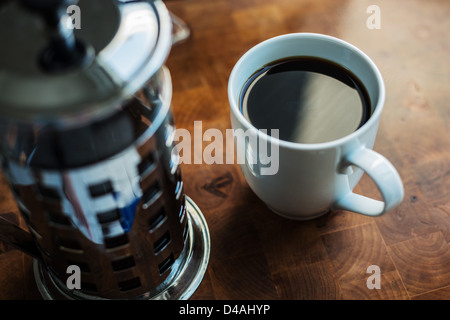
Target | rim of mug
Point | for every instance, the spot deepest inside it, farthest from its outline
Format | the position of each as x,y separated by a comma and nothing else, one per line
234,105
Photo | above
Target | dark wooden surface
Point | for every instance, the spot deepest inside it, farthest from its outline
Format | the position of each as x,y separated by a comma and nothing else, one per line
254,253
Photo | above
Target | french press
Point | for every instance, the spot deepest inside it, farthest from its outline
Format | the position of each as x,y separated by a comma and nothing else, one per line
87,147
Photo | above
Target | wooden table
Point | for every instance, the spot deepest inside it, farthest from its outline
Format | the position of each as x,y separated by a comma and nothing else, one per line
256,254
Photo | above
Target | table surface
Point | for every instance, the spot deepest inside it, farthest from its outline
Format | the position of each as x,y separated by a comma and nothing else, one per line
256,254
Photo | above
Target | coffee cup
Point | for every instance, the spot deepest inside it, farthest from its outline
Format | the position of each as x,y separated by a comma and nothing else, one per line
313,178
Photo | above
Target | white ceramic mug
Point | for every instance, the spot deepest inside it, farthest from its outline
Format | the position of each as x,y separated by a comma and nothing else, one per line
314,178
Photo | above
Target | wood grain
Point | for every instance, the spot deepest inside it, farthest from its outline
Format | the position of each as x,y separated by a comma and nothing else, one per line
254,253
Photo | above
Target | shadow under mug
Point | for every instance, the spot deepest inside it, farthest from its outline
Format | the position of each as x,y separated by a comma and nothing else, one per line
311,179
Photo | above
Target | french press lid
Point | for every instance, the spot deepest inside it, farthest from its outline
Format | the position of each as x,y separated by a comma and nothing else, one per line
55,68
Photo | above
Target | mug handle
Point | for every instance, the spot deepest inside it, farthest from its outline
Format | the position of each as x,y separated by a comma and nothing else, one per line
385,176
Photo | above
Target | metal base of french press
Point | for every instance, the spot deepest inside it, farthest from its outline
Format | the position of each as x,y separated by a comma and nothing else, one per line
187,271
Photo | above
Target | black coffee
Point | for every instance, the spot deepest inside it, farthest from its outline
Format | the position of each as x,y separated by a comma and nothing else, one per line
310,100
